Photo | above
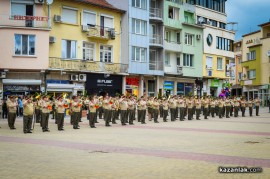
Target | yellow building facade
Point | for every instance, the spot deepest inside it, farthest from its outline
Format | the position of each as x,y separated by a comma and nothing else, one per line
85,40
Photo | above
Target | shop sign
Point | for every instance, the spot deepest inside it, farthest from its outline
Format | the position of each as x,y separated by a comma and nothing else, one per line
214,83
132,81
37,18
21,88
168,85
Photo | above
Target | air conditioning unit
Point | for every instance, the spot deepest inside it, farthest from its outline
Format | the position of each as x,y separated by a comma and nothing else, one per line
198,37
82,77
85,28
52,39
179,70
39,1
57,18
112,33
268,53
74,77
3,75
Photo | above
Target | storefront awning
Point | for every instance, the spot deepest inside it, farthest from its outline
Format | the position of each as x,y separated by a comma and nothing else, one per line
64,87
21,82
236,86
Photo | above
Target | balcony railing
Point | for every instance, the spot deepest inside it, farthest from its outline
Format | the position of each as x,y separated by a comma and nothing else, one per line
180,70
156,13
87,66
156,65
176,1
156,39
99,32
23,21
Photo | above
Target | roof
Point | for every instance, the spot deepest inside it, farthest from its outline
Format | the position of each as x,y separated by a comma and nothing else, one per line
264,24
101,3
251,33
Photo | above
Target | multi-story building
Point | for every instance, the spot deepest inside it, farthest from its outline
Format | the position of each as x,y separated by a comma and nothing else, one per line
183,46
24,34
85,48
236,70
142,44
217,44
255,63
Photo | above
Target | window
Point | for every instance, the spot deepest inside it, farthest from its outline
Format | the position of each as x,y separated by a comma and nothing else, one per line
69,49
222,25
139,26
251,74
106,53
209,62
139,54
25,8
106,21
178,37
213,22
70,15
224,44
167,59
251,55
178,60
139,4
168,36
173,13
219,63
188,60
88,51
25,44
188,39
89,18
201,20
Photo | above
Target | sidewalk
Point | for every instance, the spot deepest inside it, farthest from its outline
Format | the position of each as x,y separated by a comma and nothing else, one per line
181,149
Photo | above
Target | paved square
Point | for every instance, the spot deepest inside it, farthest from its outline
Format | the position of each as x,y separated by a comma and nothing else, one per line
181,149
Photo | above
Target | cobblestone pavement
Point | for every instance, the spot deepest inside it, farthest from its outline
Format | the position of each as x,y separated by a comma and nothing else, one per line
181,149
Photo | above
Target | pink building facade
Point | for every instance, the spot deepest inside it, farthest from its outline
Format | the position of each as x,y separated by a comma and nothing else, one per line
24,47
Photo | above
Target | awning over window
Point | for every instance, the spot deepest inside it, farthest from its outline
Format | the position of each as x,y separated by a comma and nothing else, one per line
21,82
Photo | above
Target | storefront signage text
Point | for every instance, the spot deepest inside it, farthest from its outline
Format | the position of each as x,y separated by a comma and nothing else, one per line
132,81
37,18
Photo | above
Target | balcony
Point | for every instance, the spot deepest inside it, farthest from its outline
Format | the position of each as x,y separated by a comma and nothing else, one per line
176,1
19,21
100,33
155,14
86,66
174,70
172,46
156,41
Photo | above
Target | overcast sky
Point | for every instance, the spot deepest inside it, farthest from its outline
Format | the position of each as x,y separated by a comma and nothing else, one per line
248,13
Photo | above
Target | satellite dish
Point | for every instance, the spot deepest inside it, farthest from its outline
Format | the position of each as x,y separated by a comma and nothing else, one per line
49,2
200,20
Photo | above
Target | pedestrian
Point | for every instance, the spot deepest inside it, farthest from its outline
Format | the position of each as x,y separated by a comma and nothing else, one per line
4,109
257,105
60,110
93,106
250,106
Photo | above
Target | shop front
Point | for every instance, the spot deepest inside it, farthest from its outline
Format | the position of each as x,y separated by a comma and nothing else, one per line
21,87
132,86
186,89
56,87
101,84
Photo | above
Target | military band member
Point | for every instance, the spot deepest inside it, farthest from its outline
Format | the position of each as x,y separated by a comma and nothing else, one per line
212,107
227,107
76,109
28,111
232,107
165,106
107,108
100,109
257,105
182,108
190,106
243,107
155,107
198,106
160,108
123,110
236,103
250,106
38,110
46,109
150,108
131,110
220,107
142,110
206,105
93,106
12,108
114,110
172,106
60,110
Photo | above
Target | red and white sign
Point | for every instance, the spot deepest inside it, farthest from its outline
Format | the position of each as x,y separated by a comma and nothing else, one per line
36,18
132,81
